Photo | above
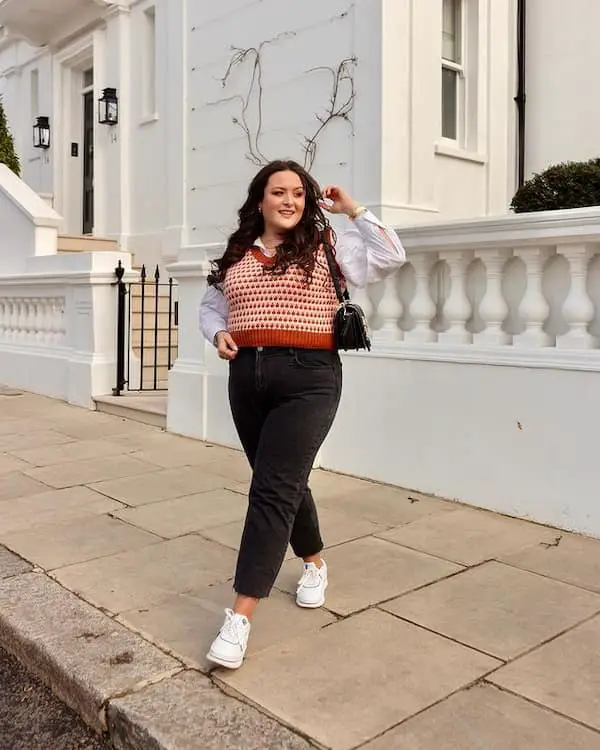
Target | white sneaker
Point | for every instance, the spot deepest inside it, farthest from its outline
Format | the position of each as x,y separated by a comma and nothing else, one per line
229,647
311,587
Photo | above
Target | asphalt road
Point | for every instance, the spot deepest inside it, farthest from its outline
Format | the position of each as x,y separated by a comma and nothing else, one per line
32,718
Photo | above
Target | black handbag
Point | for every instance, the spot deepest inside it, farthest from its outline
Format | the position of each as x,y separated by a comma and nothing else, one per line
350,327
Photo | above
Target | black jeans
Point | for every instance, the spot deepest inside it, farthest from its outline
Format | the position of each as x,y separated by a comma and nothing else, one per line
283,403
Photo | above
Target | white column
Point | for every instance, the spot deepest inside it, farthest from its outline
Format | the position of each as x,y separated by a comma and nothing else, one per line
390,311
493,308
578,309
422,308
534,309
457,308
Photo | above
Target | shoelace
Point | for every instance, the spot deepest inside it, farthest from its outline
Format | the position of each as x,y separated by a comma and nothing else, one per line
232,629
311,577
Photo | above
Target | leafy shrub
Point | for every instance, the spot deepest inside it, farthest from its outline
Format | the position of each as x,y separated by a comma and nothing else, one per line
573,184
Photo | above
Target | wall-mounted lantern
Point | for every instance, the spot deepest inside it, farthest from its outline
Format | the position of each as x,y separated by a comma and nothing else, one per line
41,133
108,107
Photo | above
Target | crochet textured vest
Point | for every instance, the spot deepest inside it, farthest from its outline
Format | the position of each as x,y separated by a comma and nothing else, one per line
267,309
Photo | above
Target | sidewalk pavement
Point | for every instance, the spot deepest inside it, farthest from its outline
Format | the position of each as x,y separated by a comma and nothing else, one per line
446,628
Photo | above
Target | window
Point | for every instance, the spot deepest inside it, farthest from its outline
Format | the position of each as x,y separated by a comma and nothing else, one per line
452,69
149,63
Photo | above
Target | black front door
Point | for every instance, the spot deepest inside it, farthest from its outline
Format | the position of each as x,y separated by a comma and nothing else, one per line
88,162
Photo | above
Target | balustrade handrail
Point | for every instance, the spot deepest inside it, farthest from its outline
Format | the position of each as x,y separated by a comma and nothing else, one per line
543,227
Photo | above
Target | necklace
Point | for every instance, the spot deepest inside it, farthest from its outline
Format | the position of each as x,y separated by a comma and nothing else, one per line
271,250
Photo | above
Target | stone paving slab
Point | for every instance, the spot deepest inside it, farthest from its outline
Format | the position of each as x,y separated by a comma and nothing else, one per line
86,656
187,712
75,450
27,512
12,442
355,679
186,624
183,515
367,571
342,680
484,718
9,463
469,536
58,545
14,484
159,484
497,609
146,576
76,473
571,558
563,675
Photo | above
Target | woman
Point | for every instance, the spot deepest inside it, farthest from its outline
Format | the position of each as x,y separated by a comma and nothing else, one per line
269,311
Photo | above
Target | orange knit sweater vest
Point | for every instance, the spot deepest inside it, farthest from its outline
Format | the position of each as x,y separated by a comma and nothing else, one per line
268,309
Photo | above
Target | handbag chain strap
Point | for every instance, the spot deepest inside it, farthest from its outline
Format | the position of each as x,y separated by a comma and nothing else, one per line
333,270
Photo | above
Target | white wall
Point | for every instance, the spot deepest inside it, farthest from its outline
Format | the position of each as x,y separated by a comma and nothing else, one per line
300,37
563,60
17,62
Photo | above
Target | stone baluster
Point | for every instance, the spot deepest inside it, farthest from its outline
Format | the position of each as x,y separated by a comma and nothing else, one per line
361,297
390,311
21,319
534,309
578,308
422,308
493,308
3,318
457,308
54,320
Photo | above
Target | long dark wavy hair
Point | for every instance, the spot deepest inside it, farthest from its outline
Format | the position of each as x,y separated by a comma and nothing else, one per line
301,243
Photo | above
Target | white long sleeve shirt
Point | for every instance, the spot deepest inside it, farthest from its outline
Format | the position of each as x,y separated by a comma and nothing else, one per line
366,253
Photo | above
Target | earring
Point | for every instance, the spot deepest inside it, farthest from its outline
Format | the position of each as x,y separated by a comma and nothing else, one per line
260,209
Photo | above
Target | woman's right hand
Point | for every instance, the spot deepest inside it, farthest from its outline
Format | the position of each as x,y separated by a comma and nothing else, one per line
226,346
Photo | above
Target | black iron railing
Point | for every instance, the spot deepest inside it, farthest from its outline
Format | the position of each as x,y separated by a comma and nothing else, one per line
147,313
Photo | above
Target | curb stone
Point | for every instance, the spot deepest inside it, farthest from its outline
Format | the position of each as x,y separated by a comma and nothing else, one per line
85,656
188,712
116,680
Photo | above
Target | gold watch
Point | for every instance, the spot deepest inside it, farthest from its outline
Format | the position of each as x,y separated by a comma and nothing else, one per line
358,211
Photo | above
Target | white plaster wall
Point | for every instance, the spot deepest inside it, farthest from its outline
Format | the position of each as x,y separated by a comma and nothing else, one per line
482,435
17,61
425,177
300,37
563,59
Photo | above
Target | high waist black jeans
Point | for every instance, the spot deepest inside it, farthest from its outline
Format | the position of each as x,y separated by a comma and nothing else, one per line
283,403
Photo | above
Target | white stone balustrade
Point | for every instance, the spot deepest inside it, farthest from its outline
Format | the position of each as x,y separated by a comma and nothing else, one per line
493,290
33,320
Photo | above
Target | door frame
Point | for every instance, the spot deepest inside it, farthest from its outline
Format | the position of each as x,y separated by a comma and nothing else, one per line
69,66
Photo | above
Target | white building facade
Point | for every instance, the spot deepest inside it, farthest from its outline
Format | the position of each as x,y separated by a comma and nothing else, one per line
417,97
482,382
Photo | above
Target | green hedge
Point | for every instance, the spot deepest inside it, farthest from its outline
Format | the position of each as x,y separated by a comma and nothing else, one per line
573,184
8,155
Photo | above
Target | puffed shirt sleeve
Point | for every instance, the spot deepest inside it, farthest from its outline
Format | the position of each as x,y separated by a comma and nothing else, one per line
368,251
214,313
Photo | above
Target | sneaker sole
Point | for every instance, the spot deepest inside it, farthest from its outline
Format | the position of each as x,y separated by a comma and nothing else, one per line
320,603
224,663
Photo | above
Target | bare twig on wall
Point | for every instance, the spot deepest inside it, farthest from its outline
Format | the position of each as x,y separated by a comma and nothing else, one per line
240,56
340,105
341,100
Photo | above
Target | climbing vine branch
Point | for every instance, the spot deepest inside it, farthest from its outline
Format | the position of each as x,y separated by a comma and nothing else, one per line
341,103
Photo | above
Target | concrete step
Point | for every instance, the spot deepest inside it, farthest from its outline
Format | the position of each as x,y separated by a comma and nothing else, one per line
84,243
148,407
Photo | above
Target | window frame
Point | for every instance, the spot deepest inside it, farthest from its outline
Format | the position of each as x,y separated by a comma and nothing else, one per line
458,68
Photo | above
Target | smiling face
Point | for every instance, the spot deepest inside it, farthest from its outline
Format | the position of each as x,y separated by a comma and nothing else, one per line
283,202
